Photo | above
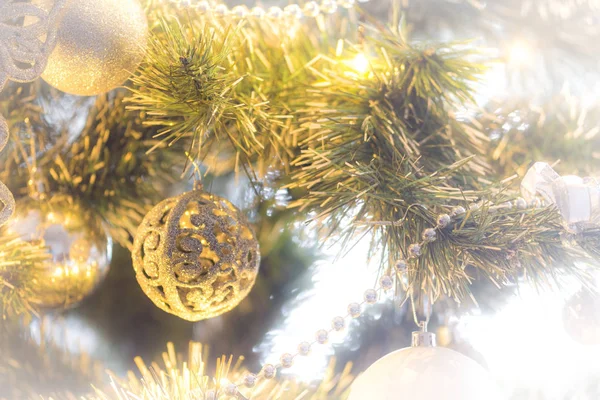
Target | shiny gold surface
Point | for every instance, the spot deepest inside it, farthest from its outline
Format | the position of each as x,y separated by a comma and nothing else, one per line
195,255
100,44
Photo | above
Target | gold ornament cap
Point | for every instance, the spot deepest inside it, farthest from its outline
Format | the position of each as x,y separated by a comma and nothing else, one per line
423,339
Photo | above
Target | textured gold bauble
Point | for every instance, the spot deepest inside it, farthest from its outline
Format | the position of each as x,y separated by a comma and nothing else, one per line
195,255
79,255
99,45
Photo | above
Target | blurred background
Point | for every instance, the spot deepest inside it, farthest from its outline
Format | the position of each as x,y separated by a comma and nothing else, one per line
543,81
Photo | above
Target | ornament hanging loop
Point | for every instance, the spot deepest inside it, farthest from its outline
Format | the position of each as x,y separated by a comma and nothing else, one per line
422,338
198,185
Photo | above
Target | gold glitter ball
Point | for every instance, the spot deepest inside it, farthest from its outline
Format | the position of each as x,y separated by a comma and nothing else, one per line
99,45
79,253
195,255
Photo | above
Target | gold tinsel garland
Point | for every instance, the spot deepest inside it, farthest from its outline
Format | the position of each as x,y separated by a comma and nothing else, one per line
187,378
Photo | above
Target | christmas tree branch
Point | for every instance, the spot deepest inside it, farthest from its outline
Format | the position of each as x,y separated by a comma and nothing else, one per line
367,136
106,172
561,130
372,150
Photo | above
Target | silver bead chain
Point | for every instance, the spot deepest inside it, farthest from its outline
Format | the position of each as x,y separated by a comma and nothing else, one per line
443,220
370,296
338,323
310,9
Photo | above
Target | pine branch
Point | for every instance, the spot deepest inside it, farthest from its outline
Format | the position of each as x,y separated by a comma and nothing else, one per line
106,172
381,153
21,266
373,161
188,88
561,130
218,83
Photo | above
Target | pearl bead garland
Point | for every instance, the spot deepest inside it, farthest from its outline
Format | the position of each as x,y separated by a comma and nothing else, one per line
287,360
386,282
311,9
415,250
304,348
250,380
269,371
321,337
354,310
338,324
401,265
370,296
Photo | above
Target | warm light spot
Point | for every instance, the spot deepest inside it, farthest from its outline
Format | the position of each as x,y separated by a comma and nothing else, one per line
520,54
530,328
360,63
58,271
292,31
223,382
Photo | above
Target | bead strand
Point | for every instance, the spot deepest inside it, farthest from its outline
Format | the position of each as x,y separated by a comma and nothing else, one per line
370,296
443,220
311,9
338,324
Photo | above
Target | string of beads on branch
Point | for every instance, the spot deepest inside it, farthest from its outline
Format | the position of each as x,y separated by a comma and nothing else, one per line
443,220
370,296
310,9
338,324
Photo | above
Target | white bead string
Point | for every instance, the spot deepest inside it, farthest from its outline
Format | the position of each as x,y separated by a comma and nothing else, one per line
311,9
430,234
338,324
386,282
23,57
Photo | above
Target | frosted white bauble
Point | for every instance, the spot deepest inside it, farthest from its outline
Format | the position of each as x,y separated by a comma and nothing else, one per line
424,373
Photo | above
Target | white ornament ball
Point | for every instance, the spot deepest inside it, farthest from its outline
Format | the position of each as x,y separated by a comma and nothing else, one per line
424,373
99,45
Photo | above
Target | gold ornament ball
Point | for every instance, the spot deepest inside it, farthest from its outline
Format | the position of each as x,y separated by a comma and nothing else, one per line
99,45
195,255
78,255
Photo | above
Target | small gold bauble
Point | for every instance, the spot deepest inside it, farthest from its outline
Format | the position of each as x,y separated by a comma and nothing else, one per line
195,255
79,255
99,45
